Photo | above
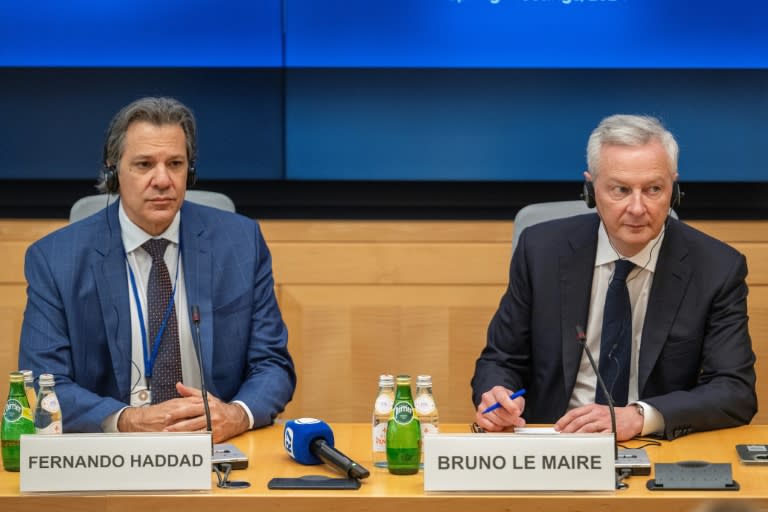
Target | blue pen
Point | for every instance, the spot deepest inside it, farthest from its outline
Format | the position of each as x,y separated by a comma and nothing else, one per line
519,392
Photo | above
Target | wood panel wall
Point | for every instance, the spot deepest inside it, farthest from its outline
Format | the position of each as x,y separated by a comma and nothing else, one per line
362,298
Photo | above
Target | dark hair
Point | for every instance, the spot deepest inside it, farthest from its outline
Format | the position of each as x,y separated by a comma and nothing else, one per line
158,111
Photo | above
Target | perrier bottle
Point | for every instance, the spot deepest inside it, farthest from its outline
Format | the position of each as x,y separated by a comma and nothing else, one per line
403,432
17,420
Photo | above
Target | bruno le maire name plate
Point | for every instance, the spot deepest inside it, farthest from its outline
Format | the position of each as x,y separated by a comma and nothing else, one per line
515,462
116,462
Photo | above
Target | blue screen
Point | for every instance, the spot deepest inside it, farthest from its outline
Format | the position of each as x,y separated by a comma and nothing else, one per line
514,124
385,33
527,33
140,33
465,90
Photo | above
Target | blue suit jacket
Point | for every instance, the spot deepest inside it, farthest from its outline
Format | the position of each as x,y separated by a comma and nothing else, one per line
696,364
77,323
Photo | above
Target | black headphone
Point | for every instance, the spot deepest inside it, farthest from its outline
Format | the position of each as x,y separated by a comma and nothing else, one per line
112,183
588,194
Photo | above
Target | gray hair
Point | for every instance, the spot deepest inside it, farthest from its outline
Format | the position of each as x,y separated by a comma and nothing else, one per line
158,111
629,130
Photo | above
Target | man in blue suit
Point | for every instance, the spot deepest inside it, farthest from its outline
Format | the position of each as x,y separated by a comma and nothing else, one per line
90,319
689,363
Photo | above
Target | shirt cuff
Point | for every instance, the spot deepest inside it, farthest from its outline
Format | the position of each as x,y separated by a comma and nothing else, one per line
247,412
109,425
653,421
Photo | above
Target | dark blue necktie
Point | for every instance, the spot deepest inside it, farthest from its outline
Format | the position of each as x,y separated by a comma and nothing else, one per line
167,368
616,341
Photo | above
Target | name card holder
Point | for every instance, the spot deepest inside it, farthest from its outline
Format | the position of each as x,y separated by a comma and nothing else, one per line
116,462
515,462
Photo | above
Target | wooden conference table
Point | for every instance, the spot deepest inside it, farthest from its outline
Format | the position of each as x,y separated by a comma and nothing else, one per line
387,493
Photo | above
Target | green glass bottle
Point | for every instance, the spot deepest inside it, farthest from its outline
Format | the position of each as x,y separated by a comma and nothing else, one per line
17,420
403,432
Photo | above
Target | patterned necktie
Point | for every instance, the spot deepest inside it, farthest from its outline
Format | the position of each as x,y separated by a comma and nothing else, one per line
167,369
616,341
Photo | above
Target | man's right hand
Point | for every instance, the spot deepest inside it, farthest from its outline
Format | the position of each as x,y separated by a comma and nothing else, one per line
508,415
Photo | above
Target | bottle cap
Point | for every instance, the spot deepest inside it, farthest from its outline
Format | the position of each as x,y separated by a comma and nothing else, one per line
403,379
424,380
47,379
17,377
28,375
386,379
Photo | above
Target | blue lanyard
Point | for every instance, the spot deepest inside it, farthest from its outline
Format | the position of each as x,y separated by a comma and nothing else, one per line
149,359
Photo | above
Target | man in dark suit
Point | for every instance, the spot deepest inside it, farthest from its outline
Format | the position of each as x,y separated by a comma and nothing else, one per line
90,318
689,364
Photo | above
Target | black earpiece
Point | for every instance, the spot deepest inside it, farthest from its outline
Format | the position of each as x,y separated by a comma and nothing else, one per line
111,184
191,175
588,194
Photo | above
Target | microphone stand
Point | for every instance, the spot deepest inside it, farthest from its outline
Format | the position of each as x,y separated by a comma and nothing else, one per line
582,338
222,469
203,388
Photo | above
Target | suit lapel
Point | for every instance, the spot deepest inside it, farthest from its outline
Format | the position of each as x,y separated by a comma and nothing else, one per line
670,281
198,279
109,273
577,263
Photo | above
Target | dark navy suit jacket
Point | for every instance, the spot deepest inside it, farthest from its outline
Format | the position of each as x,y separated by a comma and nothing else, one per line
696,364
77,323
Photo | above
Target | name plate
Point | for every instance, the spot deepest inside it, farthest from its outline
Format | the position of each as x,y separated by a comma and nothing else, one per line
116,462
515,462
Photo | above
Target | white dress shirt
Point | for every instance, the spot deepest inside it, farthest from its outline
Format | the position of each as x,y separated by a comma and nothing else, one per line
140,262
639,283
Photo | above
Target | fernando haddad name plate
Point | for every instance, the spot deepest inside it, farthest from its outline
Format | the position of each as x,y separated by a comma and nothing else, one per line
116,462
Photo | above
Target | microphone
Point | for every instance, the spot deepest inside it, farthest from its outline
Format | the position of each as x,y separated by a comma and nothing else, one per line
310,441
582,338
633,461
199,353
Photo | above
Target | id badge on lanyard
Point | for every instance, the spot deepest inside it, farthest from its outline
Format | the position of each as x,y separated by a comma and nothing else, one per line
144,396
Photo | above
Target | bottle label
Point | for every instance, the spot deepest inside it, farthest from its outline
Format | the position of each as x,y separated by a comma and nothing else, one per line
13,410
425,404
53,428
383,404
50,403
380,437
403,413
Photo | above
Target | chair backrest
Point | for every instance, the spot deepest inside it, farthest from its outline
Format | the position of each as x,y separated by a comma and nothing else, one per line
89,205
540,212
